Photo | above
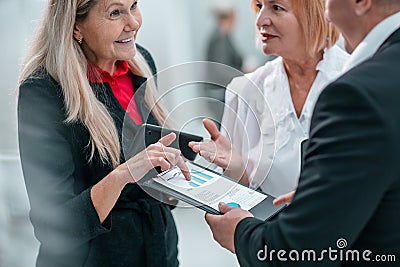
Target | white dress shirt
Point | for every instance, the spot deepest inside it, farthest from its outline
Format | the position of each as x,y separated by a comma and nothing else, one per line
375,38
261,122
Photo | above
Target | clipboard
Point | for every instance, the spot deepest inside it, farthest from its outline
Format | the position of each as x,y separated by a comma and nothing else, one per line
258,203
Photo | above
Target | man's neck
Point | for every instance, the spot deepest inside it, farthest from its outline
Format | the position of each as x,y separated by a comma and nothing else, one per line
369,21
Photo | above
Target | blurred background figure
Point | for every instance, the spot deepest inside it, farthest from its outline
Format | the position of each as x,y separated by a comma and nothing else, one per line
222,49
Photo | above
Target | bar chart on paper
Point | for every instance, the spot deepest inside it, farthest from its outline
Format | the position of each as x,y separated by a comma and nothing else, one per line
209,188
199,177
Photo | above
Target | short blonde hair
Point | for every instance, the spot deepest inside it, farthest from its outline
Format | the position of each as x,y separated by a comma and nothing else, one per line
319,33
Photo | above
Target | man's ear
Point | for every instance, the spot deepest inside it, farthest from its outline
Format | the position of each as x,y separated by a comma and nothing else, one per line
362,7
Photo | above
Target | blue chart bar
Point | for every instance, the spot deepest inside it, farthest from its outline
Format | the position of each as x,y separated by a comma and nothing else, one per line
193,184
201,174
197,179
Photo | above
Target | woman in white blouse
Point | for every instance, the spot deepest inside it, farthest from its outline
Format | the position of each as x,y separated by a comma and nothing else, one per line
268,112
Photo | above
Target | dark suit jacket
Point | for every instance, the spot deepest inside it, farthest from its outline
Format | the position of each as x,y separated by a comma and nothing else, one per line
139,231
349,188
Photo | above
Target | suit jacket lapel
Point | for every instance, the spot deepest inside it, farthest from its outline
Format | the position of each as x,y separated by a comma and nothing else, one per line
394,38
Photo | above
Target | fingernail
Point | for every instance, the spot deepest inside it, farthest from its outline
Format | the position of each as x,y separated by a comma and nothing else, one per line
221,203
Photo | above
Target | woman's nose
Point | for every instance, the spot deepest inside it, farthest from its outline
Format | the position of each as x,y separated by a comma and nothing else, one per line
133,22
263,19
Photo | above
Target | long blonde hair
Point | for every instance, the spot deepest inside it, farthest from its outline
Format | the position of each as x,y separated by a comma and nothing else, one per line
54,48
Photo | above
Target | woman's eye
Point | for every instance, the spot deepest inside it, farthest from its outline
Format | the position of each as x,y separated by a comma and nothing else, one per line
115,13
259,6
134,6
277,8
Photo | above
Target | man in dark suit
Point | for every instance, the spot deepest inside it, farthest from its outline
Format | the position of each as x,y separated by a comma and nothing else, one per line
346,210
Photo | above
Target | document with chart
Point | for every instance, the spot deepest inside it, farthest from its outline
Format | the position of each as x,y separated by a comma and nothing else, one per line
207,188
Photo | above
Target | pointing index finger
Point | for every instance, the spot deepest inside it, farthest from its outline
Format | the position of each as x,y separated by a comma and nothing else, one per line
168,139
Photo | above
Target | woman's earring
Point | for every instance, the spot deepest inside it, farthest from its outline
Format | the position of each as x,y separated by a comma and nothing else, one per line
80,40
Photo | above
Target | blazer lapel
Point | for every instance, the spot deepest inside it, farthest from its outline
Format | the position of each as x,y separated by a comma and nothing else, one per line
139,83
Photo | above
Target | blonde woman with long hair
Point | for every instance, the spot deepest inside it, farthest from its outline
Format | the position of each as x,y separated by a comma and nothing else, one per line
82,69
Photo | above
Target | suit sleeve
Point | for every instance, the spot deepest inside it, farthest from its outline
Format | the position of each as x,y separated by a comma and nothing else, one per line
62,218
346,173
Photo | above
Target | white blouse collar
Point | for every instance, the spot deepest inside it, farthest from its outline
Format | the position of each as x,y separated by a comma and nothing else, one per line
276,87
329,69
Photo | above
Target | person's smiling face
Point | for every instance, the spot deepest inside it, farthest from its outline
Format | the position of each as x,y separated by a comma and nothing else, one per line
109,32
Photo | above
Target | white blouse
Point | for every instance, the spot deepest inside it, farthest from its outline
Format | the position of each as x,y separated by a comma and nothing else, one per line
261,122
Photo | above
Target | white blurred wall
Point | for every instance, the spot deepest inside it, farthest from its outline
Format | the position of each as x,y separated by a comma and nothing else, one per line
17,245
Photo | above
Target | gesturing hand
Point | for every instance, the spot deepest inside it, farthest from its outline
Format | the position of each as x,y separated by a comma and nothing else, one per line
220,151
157,155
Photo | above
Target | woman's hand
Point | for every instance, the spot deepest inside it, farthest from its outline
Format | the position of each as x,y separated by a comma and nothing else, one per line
284,199
155,155
106,192
220,151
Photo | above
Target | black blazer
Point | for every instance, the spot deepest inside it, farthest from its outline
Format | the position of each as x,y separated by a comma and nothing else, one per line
349,188
139,231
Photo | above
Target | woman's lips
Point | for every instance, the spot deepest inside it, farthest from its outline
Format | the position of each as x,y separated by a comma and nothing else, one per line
125,41
265,37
